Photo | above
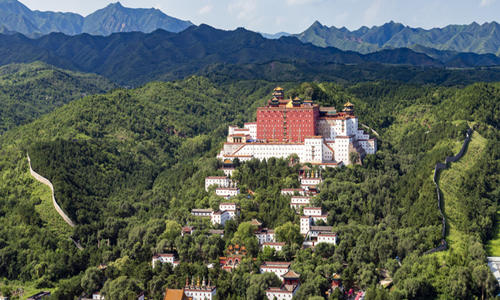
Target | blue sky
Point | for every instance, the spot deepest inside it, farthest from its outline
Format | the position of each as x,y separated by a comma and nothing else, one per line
296,15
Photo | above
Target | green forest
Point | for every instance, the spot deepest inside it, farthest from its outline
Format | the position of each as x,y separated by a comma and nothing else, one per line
129,165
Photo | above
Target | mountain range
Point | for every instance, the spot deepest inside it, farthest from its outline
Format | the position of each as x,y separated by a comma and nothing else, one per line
475,38
136,58
16,17
29,90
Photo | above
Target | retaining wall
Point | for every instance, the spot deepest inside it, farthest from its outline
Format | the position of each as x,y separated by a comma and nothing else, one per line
441,166
45,181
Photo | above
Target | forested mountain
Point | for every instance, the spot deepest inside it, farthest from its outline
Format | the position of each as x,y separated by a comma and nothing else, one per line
125,162
28,91
474,38
136,58
16,17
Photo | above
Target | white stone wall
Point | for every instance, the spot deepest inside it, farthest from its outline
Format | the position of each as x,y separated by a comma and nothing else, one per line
220,217
370,146
200,294
279,271
277,247
351,126
311,181
252,127
361,135
305,224
327,238
227,206
164,259
341,148
312,211
219,181
45,181
282,295
227,192
265,237
314,149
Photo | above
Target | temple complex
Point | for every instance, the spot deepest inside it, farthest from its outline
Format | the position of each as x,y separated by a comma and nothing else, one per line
316,134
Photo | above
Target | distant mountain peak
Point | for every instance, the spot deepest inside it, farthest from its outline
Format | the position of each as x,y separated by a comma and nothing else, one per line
316,24
15,16
480,39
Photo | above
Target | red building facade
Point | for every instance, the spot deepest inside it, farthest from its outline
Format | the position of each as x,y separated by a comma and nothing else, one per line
286,120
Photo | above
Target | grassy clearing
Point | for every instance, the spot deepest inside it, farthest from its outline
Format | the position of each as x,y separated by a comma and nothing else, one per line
449,181
493,245
29,289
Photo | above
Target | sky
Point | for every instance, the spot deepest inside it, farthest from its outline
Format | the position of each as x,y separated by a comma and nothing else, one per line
294,16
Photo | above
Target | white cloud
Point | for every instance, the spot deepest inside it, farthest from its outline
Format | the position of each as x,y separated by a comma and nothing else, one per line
243,10
485,3
300,2
372,12
205,9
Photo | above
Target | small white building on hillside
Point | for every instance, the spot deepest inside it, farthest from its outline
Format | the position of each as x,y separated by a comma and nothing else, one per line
296,202
277,267
218,181
227,192
165,258
278,246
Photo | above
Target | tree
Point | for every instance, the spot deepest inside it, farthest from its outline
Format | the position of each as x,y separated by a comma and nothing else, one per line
289,233
92,280
258,283
121,288
354,157
244,236
172,231
482,278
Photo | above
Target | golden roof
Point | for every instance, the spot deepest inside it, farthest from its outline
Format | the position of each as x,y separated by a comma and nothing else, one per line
278,88
348,104
289,104
172,294
296,98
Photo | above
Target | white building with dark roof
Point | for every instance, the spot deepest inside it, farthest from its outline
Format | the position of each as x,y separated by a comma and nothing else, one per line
220,217
278,246
277,267
227,192
165,258
232,208
219,181
290,286
296,202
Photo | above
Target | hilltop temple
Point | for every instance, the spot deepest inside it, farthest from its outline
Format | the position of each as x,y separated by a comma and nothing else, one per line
317,135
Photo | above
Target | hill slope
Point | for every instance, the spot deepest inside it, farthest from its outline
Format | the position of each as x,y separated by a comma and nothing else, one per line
125,162
475,38
30,90
452,182
14,16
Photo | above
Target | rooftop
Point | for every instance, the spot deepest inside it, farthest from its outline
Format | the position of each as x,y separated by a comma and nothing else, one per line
172,294
291,274
321,228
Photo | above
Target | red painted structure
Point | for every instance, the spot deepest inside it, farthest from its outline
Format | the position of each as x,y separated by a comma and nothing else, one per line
286,120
